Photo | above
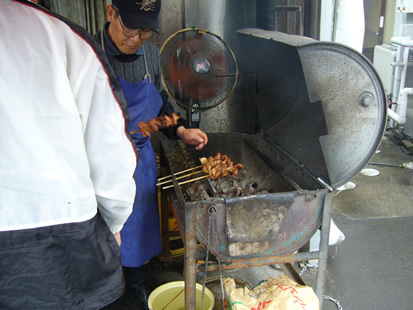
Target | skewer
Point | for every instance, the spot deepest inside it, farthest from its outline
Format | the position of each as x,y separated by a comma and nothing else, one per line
180,177
180,172
192,180
135,131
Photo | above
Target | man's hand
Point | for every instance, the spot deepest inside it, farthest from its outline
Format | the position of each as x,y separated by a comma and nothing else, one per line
117,237
193,136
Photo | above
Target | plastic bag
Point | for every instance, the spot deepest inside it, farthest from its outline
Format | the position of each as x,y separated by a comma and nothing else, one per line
279,293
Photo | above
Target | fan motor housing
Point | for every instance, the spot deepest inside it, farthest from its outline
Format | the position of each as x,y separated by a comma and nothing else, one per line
201,65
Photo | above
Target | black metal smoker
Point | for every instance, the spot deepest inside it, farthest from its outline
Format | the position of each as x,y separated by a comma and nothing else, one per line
322,112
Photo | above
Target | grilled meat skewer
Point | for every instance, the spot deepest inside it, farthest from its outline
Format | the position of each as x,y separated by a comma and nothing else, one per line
156,124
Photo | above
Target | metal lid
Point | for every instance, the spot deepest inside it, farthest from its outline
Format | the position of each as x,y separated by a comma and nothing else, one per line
322,102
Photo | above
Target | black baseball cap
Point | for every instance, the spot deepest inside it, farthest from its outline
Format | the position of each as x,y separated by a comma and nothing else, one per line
139,13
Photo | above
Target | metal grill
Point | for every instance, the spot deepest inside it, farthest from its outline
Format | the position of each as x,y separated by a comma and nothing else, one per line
321,115
280,195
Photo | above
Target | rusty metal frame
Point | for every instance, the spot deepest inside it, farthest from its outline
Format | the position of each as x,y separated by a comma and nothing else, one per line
192,267
187,217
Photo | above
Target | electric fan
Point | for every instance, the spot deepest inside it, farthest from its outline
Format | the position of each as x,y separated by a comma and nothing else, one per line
199,70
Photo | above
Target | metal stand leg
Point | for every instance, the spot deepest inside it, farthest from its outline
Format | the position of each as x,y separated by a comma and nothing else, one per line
190,260
166,255
323,251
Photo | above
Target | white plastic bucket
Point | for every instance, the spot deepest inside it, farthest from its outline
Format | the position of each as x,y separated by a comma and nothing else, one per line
171,296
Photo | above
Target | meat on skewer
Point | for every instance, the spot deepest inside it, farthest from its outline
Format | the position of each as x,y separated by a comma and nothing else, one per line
213,167
219,166
156,124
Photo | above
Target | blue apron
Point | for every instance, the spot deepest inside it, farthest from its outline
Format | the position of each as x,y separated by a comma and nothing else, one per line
140,235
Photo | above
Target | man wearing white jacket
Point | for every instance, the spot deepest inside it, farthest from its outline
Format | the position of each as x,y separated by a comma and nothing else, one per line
66,165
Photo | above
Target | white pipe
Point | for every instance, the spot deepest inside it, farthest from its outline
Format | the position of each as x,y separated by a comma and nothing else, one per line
404,68
397,73
400,116
402,61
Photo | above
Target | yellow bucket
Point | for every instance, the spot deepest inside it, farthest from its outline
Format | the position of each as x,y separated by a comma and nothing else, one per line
171,296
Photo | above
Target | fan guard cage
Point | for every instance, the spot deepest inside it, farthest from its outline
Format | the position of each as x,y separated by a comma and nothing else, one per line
198,69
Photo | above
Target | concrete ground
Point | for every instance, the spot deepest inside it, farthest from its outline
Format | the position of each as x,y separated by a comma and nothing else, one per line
372,268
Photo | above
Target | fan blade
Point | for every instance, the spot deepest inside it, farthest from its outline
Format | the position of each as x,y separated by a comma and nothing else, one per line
183,73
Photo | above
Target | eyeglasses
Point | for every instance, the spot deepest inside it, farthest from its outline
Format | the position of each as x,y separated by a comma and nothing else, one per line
130,33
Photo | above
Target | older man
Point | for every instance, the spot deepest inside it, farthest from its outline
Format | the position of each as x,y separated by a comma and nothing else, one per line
136,62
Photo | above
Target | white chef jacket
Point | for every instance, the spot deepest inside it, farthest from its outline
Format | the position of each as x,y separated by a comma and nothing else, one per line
63,145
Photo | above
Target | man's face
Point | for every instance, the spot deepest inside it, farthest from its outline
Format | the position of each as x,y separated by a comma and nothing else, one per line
127,40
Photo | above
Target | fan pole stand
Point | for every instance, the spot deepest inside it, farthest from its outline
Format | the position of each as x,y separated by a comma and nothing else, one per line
193,116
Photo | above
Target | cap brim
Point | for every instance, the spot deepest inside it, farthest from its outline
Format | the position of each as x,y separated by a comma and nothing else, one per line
139,22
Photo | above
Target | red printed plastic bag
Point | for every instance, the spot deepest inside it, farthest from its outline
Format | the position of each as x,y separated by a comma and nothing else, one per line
273,294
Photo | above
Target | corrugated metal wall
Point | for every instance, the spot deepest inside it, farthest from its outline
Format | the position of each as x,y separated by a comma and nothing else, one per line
91,14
